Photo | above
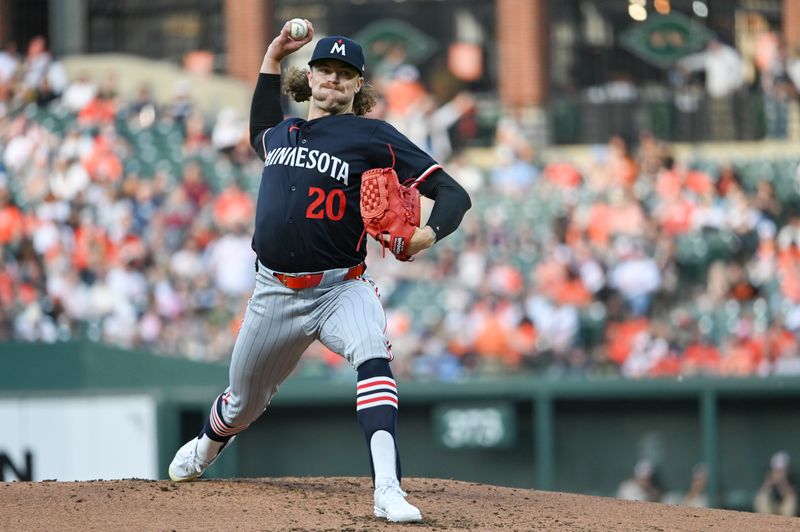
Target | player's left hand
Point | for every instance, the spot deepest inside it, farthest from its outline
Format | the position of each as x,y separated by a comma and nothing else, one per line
422,239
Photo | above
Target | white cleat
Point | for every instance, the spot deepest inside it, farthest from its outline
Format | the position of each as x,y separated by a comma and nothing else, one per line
391,504
187,465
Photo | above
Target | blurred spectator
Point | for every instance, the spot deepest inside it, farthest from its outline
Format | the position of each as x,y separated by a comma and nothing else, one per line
233,207
428,125
512,174
787,363
621,164
9,62
650,354
772,62
181,106
228,130
195,139
231,262
194,185
556,324
69,178
700,357
636,276
144,107
102,108
11,219
643,486
102,163
778,493
403,93
37,62
79,93
793,69
724,74
695,496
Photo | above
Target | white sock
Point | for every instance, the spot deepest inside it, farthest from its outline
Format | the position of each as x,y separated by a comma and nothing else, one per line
381,445
207,448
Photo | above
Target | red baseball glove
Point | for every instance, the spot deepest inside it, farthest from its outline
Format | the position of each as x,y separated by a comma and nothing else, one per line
389,209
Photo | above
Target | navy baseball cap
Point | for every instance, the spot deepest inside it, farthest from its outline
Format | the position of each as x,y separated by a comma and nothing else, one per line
341,48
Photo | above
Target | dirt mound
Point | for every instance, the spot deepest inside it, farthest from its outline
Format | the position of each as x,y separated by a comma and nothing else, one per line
339,504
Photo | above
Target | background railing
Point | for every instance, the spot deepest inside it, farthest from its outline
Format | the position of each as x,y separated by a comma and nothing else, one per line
678,115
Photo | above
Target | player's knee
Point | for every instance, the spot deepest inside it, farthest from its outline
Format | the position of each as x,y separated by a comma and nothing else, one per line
238,412
371,345
376,402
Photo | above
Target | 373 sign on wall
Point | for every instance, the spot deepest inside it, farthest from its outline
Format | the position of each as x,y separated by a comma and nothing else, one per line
475,426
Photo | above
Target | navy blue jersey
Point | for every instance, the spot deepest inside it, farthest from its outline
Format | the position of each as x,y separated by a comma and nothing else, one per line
308,216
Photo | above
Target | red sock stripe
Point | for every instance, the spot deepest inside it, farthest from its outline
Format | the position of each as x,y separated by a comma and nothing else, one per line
375,398
390,384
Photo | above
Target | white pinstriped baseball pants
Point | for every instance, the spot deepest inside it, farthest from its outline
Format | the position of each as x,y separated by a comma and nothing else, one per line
280,323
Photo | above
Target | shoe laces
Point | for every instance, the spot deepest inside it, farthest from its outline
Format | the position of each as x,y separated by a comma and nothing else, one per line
191,459
390,488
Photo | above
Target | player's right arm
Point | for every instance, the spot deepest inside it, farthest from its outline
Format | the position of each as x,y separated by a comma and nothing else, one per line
265,109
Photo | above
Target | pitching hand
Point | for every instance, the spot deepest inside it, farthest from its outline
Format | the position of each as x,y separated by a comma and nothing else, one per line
283,44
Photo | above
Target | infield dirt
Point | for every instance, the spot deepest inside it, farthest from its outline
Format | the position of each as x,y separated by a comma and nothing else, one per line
341,504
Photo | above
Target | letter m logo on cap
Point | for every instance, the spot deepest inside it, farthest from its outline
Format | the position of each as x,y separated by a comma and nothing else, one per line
338,48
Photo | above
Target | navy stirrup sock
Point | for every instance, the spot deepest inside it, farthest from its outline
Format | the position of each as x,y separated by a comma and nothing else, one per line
376,410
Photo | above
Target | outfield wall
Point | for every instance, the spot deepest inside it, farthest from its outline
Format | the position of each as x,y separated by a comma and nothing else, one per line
568,435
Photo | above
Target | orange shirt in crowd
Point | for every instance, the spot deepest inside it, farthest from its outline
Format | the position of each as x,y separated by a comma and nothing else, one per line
233,207
671,183
699,182
91,243
789,273
623,170
675,217
668,366
562,174
740,359
401,95
573,293
130,248
620,337
522,341
102,164
778,342
598,228
668,185
11,224
627,219
98,111
700,358
492,341
6,289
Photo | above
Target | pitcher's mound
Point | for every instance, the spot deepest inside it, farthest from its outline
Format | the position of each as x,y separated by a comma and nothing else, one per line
343,503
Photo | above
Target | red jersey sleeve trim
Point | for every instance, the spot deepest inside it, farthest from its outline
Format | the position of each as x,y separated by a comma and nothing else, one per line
424,175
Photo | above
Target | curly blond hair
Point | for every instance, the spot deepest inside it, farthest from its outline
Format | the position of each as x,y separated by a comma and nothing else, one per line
295,85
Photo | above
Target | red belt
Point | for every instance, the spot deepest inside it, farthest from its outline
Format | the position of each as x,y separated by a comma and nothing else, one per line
310,280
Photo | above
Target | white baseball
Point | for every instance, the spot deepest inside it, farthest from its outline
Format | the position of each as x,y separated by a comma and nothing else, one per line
297,29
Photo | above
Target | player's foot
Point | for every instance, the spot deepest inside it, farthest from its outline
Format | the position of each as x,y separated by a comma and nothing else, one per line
187,465
391,504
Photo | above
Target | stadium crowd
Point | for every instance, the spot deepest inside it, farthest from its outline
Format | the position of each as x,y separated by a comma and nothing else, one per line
129,221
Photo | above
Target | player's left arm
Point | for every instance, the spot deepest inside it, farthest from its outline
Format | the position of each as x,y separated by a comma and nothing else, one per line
451,202
416,168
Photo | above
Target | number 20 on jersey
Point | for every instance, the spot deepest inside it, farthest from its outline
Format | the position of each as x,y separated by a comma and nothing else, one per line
324,205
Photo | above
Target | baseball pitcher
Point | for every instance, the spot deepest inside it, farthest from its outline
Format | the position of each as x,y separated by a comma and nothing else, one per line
311,282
